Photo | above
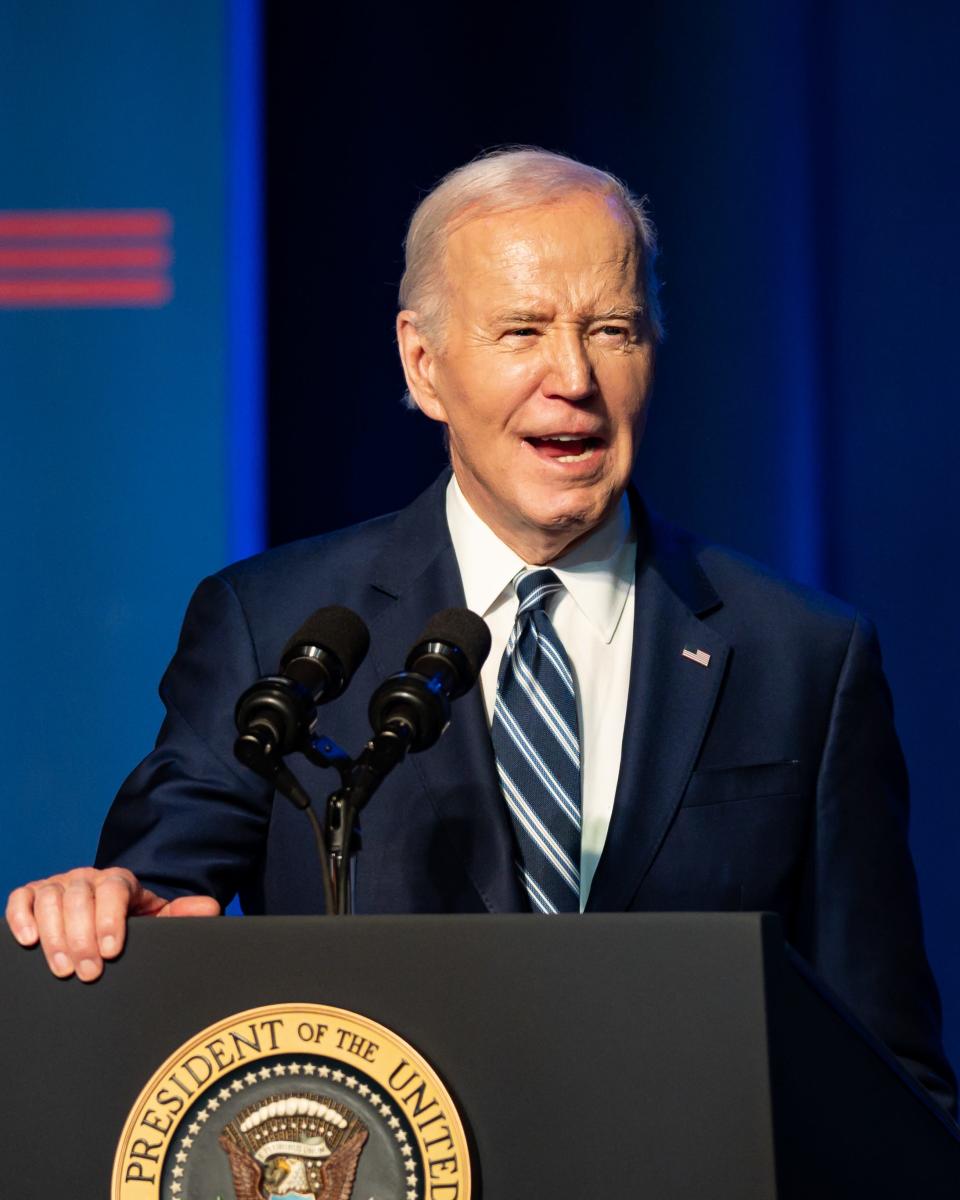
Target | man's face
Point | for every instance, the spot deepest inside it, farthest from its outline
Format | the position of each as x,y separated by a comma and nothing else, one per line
545,367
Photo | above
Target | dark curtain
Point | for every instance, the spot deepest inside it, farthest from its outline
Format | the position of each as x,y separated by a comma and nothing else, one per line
802,166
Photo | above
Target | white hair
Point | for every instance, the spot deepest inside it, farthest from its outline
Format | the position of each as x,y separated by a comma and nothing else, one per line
501,180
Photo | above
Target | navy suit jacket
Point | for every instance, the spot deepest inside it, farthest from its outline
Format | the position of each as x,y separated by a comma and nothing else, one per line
770,779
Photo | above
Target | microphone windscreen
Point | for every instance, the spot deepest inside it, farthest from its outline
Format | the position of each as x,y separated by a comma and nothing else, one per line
461,628
336,629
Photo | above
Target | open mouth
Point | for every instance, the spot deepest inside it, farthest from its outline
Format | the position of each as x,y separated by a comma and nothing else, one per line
564,447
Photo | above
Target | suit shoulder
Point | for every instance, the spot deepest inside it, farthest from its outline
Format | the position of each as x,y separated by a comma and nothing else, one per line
736,570
271,594
324,556
754,589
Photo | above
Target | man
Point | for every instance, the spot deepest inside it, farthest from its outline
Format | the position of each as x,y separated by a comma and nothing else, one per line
660,725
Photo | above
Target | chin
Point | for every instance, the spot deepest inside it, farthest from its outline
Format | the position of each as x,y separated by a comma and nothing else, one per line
556,533
576,512
577,522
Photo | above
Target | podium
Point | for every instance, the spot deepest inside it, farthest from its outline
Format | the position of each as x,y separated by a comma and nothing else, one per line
656,1056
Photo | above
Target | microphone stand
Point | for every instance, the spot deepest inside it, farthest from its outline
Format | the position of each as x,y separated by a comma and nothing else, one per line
343,844
332,850
359,779
409,711
340,843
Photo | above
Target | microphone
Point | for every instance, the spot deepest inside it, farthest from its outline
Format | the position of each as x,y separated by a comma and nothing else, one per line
275,714
443,665
408,711
411,709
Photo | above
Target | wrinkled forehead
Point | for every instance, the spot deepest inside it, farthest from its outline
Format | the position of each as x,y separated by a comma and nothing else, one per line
583,243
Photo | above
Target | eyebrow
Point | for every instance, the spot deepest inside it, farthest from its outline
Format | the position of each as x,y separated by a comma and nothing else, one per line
520,317
627,312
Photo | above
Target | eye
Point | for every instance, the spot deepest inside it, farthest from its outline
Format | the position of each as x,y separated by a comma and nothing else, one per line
522,331
613,331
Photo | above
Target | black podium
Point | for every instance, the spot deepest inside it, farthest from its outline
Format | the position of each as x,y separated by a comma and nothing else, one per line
662,1056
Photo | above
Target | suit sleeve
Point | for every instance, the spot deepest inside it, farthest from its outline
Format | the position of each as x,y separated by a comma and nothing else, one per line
190,818
867,933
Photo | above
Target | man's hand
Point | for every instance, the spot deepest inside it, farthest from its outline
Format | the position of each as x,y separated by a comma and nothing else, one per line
80,917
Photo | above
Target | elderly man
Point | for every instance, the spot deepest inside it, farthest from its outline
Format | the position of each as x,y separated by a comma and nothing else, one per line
661,725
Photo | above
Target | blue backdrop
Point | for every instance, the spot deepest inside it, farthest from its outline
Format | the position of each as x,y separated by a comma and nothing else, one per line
802,166
115,470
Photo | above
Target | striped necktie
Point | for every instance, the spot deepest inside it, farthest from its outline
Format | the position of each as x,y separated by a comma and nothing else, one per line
537,746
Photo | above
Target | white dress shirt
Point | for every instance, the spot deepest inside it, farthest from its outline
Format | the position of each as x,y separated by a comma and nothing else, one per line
593,617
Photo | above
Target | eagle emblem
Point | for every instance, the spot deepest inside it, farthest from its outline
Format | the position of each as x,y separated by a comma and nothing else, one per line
297,1146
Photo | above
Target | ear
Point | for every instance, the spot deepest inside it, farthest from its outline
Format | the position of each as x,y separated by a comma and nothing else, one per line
418,361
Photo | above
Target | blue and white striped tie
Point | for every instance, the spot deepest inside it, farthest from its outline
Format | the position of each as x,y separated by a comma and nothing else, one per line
537,746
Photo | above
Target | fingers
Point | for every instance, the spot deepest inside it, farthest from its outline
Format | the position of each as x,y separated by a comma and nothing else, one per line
116,895
36,914
19,916
55,901
78,917
82,918
68,913
48,914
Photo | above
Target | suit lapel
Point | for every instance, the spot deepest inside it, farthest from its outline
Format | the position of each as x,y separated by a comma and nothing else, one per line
670,702
419,574
671,699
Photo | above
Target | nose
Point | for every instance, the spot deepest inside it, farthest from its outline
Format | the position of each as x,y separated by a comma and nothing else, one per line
569,374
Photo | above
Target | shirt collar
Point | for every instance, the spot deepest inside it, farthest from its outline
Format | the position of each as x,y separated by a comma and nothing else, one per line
598,572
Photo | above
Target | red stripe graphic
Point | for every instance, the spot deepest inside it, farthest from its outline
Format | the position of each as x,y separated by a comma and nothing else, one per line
89,258
72,258
83,293
90,223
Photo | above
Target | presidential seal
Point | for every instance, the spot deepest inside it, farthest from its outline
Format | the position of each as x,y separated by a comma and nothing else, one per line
293,1102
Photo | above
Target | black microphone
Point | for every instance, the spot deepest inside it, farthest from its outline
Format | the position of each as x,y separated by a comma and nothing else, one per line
410,710
275,714
451,650
443,665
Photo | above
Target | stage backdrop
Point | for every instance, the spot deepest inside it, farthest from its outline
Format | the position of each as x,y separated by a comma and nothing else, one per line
801,160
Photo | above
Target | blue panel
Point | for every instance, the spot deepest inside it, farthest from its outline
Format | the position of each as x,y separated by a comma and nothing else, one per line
112,462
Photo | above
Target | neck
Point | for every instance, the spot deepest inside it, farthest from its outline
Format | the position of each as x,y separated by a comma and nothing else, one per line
537,546
540,548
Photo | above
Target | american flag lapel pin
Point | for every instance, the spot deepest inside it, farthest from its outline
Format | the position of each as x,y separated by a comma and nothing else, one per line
701,657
